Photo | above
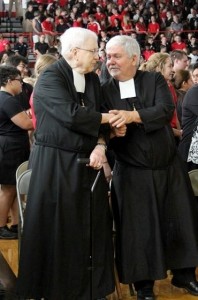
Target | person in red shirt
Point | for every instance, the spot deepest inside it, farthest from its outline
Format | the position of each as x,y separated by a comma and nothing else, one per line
3,43
48,29
141,30
99,16
153,27
126,24
178,44
78,22
93,25
147,52
115,15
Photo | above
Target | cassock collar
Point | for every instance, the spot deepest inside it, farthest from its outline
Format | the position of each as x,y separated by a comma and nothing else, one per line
79,81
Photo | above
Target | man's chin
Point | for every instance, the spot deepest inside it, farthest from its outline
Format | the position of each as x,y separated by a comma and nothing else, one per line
115,74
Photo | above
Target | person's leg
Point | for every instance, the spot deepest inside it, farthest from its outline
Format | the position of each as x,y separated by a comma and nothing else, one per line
7,198
10,8
185,278
144,289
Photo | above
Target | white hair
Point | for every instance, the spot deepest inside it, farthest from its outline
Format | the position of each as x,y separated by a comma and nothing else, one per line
129,44
75,37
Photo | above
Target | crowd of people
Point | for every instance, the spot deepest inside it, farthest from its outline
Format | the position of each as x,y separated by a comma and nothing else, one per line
119,86
158,26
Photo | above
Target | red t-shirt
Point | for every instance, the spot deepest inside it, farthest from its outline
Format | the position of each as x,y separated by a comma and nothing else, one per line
3,43
113,17
178,46
153,27
47,26
94,27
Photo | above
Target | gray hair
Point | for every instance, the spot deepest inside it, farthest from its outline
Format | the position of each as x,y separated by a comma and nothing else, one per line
75,37
129,44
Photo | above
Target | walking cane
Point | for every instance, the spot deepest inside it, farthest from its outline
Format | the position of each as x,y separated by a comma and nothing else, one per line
91,252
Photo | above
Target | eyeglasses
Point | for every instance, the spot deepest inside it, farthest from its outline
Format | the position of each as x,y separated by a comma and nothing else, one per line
94,51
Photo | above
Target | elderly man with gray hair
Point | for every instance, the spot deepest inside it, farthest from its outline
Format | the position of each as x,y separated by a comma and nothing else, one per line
154,206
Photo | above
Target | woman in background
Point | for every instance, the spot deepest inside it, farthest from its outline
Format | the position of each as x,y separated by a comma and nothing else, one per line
161,62
182,81
14,146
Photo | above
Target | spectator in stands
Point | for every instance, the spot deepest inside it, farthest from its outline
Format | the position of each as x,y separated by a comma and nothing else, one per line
192,42
164,42
21,63
34,3
176,26
178,44
116,28
141,31
93,25
3,43
5,54
193,55
153,27
41,47
14,149
61,25
103,36
17,4
77,22
180,60
99,15
36,26
115,15
126,24
48,29
152,43
193,19
21,47
29,16
147,52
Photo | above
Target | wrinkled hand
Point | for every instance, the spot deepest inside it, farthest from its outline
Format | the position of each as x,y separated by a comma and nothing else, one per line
119,132
120,118
97,157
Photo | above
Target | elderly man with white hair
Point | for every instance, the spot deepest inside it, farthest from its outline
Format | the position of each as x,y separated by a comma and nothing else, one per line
66,251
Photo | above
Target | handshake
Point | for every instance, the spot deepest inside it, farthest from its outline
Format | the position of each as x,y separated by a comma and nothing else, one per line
118,120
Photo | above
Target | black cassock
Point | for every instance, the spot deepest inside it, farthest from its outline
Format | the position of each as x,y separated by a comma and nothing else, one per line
55,251
154,207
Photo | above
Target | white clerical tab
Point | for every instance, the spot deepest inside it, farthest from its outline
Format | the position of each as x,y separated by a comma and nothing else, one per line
79,81
127,89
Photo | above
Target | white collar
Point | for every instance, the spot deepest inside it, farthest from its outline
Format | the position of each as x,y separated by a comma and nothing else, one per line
79,81
127,88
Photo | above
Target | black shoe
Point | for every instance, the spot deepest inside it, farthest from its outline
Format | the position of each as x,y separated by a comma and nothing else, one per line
6,234
14,228
191,286
143,295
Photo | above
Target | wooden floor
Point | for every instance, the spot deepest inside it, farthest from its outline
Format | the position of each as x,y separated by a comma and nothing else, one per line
163,288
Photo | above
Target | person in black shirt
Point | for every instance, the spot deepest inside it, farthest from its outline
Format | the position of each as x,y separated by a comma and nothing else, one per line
21,47
61,26
41,47
21,64
14,146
